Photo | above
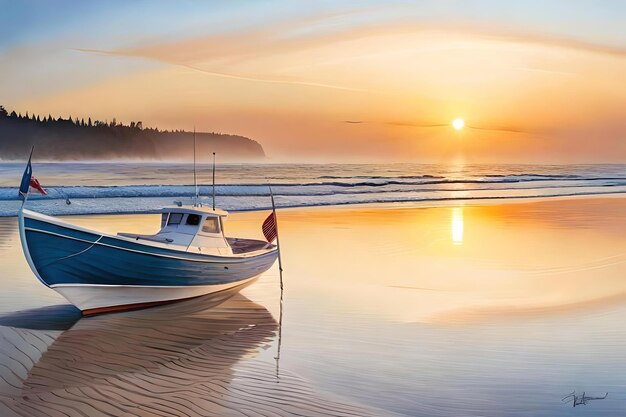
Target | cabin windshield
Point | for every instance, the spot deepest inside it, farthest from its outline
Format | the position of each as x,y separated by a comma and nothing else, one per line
193,220
175,219
211,225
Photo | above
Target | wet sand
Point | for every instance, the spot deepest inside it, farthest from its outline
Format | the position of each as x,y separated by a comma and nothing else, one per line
491,310
181,359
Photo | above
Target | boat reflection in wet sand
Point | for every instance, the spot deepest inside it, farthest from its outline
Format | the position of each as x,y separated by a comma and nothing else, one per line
191,358
98,272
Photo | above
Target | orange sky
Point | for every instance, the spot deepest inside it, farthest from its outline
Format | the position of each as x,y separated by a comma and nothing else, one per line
526,95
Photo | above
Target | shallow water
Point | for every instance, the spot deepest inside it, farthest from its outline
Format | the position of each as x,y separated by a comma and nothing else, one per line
480,310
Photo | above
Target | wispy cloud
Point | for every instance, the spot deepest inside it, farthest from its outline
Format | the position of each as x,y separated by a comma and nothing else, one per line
284,37
238,54
236,76
410,124
446,125
500,129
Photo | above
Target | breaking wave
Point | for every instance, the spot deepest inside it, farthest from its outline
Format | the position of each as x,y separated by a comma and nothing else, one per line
310,191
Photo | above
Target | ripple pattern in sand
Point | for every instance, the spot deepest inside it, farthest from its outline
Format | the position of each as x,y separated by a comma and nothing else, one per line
179,360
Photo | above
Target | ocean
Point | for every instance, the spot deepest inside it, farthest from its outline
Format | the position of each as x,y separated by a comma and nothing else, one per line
140,187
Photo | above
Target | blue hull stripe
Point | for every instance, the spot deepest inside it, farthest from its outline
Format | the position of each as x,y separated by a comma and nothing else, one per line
67,256
39,226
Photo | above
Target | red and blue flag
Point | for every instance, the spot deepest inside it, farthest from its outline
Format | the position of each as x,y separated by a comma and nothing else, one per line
29,181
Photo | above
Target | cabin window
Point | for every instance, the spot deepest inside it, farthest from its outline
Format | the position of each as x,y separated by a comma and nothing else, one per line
211,225
175,218
164,219
193,219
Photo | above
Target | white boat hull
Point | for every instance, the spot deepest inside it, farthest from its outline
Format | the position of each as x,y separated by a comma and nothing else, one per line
95,299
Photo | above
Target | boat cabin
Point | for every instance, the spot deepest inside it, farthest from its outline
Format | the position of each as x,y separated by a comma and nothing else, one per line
198,229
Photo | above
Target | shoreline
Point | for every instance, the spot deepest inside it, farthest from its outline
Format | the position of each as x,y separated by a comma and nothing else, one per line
478,201
426,203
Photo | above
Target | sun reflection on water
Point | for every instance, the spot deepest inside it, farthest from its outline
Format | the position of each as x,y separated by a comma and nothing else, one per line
457,225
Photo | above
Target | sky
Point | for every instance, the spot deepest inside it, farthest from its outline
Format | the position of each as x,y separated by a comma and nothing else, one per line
333,81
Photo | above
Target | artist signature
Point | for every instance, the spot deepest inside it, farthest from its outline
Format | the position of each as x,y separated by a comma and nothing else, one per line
576,399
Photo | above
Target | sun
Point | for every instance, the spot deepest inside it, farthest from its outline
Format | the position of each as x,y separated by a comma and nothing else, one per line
458,124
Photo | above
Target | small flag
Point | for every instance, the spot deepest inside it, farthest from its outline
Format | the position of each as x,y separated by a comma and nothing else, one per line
28,180
25,184
269,228
35,184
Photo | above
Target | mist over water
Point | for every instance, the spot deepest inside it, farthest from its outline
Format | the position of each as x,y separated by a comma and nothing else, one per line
146,187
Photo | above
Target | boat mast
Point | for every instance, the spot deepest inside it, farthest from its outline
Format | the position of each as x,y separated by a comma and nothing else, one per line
213,181
195,182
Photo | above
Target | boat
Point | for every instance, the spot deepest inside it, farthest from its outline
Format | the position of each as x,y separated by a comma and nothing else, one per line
190,256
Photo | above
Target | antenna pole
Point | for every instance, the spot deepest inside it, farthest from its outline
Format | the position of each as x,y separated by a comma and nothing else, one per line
195,181
213,181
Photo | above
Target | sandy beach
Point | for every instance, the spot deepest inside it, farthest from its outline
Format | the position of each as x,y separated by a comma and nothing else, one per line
494,309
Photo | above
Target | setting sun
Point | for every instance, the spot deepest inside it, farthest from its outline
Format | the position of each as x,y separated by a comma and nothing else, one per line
458,124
